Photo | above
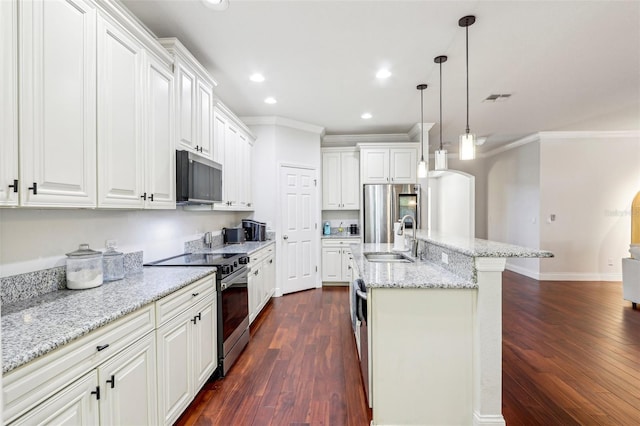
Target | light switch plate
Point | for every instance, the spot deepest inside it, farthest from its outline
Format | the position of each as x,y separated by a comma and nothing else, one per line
445,258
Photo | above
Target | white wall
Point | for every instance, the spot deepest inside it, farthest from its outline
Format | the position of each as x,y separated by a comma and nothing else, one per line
513,202
588,181
33,239
476,168
453,203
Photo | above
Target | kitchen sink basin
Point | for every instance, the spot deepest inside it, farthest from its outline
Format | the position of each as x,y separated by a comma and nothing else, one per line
387,257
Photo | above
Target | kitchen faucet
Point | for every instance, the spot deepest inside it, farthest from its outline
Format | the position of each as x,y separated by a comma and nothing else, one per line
414,242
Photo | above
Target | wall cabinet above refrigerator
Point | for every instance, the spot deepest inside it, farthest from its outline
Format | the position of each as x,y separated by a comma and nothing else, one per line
384,164
340,179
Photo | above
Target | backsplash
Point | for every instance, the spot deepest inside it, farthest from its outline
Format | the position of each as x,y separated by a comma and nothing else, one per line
32,284
458,263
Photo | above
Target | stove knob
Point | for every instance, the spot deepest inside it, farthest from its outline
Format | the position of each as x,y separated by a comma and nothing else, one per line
235,263
244,260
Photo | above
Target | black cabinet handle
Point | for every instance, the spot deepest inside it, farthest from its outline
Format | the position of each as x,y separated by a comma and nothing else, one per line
15,185
96,392
102,347
112,381
144,196
194,320
151,197
195,294
34,188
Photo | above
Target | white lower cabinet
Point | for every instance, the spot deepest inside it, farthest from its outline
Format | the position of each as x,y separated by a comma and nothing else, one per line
336,260
262,280
74,405
187,348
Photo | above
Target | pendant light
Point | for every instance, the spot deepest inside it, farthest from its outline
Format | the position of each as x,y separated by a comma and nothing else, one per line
467,140
441,154
422,165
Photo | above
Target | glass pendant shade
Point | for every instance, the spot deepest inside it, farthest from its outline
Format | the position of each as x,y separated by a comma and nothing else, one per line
441,160
422,169
467,146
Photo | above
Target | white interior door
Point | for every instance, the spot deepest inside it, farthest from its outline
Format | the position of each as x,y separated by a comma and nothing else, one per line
298,212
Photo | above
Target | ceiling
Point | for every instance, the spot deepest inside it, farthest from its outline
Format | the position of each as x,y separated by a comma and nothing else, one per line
563,62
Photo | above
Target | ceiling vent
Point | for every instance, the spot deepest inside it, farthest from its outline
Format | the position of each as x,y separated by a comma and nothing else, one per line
501,97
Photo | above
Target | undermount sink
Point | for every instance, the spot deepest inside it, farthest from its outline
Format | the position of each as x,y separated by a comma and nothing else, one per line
387,257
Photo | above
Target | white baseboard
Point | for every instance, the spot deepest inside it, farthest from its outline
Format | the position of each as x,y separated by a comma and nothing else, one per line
523,271
564,276
488,420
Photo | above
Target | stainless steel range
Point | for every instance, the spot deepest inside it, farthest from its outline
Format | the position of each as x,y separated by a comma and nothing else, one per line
232,300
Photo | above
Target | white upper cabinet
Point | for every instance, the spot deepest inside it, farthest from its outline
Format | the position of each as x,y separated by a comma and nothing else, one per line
340,179
9,178
194,95
120,142
160,158
57,105
388,165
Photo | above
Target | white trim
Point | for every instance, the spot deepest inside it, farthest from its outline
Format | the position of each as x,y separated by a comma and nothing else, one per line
370,138
512,145
274,120
415,145
176,48
531,273
224,109
414,132
490,264
579,276
488,420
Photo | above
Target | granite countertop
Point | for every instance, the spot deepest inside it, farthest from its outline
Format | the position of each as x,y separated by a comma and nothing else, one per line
419,274
476,247
36,326
340,235
248,247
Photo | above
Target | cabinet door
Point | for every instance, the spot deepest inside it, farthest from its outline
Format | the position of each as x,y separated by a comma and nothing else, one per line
204,343
331,181
73,405
219,132
404,165
375,165
350,185
269,279
128,385
120,143
331,264
242,167
347,274
186,107
230,169
9,103
254,284
248,158
175,367
204,119
57,106
159,154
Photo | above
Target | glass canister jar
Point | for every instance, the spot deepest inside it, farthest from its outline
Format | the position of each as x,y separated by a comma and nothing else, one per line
113,264
84,268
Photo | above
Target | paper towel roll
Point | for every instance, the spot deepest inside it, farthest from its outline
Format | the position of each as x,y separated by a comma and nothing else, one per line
398,240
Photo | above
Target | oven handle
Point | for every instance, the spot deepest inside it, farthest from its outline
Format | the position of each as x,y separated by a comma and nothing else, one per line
238,278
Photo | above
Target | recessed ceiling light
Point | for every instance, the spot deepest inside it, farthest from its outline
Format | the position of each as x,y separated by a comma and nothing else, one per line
216,4
270,100
383,73
366,116
257,77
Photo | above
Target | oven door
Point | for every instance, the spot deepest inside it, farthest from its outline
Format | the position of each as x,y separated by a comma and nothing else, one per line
234,303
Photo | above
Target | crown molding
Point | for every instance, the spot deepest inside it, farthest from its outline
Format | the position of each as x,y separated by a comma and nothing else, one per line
414,133
274,120
512,145
352,140
176,48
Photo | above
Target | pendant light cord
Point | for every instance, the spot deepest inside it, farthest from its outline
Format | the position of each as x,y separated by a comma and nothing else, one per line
467,32
421,126
440,106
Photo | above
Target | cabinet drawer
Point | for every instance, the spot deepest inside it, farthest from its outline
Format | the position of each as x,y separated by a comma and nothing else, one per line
32,383
170,306
261,254
339,243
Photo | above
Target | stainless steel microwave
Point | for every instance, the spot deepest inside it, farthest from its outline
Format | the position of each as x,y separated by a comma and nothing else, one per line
198,180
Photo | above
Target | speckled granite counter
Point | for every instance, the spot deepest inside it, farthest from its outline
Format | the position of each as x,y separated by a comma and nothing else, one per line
340,236
248,247
36,326
419,274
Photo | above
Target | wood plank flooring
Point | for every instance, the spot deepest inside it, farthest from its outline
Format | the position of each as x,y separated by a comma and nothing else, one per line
571,355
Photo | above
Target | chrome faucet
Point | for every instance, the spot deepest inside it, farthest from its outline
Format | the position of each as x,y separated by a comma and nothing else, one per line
414,241
207,239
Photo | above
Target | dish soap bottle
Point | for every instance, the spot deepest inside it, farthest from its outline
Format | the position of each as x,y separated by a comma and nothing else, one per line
326,229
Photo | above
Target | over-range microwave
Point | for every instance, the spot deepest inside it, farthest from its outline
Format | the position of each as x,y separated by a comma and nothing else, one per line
198,180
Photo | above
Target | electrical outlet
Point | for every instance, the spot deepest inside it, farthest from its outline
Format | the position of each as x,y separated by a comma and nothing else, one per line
445,258
610,262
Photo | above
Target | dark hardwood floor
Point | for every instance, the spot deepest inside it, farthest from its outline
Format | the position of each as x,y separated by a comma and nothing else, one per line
571,355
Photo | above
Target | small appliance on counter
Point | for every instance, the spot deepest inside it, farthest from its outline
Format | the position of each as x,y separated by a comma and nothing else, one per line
254,230
354,229
84,268
233,235
326,230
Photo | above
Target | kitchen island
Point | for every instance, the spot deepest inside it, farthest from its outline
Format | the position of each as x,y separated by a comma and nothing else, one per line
435,331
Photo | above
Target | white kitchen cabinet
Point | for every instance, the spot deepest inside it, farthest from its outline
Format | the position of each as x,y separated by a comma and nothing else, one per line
76,404
120,140
128,385
261,280
194,101
187,346
340,179
337,259
57,103
9,177
232,148
388,165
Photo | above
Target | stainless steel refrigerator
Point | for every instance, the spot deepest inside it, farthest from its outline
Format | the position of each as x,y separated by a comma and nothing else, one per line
386,204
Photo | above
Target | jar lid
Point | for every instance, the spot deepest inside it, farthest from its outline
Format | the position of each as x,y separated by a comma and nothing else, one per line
111,252
84,251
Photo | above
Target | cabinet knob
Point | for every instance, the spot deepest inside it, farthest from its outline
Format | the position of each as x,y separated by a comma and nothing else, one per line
15,185
285,237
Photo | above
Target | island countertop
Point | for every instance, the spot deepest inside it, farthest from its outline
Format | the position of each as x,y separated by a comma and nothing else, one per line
418,274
